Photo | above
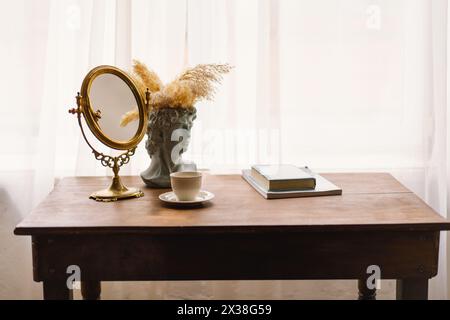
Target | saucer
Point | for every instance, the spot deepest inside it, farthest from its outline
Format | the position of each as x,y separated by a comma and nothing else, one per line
202,197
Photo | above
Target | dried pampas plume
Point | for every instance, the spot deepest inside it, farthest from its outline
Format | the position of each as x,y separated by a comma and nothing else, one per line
191,86
146,77
128,117
202,78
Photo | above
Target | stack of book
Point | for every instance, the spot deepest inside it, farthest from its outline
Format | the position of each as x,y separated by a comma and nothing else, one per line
288,181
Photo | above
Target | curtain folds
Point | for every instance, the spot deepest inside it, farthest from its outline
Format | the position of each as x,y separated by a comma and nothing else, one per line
354,85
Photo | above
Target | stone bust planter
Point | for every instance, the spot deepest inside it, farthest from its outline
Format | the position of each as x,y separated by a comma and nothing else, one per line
168,133
171,113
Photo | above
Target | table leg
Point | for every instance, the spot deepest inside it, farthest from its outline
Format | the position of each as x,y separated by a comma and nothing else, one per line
56,290
364,293
90,290
412,289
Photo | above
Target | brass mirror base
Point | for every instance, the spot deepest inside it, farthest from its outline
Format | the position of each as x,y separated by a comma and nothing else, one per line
117,191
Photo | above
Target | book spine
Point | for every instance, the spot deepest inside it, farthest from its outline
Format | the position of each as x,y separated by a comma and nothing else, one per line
261,179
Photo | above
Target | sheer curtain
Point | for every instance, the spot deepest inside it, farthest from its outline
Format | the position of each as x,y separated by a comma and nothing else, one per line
350,85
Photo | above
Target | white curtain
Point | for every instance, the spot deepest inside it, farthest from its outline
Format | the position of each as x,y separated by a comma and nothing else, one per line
349,85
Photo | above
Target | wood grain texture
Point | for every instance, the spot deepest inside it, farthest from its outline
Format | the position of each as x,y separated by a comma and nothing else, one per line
373,201
237,256
239,236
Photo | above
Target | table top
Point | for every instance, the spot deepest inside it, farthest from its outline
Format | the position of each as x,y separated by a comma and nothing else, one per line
370,201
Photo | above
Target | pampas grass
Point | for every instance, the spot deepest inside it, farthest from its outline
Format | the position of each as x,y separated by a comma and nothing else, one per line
192,85
128,117
146,77
202,78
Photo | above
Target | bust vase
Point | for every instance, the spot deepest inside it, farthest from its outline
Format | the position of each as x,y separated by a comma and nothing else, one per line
168,133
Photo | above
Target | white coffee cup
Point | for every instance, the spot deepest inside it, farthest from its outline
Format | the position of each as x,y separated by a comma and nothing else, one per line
186,185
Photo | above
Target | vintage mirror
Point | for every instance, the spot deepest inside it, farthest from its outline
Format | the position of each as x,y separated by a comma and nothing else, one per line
107,93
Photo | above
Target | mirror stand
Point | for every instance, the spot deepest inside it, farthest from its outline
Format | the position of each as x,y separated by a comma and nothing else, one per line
117,190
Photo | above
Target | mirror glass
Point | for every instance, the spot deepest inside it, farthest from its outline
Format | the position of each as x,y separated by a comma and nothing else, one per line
110,98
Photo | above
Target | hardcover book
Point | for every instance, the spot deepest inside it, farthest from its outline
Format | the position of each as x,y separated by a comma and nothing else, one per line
283,177
323,188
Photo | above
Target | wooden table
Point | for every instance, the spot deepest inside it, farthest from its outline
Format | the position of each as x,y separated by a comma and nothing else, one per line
239,236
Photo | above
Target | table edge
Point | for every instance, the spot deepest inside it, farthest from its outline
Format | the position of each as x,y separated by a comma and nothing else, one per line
249,229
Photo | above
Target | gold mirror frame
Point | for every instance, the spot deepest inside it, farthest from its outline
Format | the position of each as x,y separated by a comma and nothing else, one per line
117,190
91,116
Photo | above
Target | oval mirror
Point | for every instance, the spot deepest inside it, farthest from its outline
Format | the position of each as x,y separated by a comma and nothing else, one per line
108,93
